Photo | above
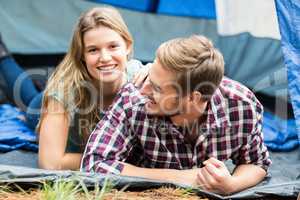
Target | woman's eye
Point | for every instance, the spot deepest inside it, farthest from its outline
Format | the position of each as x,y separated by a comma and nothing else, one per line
113,46
92,50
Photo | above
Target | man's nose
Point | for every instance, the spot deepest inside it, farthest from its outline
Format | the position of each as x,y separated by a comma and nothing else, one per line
146,88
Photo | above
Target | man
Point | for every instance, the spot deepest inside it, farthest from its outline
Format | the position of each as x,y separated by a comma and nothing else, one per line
192,120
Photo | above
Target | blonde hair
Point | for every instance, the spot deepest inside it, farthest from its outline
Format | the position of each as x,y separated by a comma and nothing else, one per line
71,72
196,63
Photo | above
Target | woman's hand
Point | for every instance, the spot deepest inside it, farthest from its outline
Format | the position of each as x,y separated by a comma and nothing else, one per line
139,79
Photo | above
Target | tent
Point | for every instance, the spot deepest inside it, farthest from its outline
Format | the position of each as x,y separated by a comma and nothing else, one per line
260,42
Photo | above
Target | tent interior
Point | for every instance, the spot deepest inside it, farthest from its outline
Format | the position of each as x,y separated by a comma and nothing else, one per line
255,48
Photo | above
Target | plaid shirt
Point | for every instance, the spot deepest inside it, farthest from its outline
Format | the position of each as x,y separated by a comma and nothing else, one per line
126,133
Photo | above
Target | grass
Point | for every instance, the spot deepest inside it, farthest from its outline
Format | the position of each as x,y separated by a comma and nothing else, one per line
59,190
76,189
97,194
4,189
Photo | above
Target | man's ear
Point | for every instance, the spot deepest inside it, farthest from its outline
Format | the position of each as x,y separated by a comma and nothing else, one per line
196,97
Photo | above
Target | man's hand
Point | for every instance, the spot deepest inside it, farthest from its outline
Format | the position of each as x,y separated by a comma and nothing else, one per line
215,177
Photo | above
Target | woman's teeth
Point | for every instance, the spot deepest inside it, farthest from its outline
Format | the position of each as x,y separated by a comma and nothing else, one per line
106,68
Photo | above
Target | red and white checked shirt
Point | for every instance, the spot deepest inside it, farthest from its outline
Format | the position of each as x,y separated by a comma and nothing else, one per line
126,133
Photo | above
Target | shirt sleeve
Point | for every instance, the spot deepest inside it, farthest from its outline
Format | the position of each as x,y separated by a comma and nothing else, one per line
109,143
66,101
254,150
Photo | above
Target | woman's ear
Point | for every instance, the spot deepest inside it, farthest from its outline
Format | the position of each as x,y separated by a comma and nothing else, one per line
128,49
83,61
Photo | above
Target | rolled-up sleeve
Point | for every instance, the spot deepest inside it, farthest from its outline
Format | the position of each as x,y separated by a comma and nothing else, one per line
254,151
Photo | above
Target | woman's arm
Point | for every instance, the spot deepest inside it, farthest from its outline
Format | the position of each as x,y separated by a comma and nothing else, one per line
53,136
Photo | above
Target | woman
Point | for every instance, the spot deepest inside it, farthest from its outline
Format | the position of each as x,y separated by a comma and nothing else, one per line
83,86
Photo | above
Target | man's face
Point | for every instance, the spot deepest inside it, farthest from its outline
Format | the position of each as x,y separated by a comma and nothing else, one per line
161,89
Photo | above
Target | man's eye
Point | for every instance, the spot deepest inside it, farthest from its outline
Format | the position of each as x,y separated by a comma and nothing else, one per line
156,89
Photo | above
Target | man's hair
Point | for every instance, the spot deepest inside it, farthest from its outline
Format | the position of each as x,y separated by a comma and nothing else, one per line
198,65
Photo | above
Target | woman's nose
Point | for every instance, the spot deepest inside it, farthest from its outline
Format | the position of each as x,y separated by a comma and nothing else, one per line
104,56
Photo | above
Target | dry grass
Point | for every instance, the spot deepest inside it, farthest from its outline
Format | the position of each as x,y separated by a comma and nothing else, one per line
151,194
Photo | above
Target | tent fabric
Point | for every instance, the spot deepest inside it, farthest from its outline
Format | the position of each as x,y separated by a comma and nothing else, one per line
279,134
256,62
251,46
256,17
14,133
141,5
191,8
52,32
283,179
289,23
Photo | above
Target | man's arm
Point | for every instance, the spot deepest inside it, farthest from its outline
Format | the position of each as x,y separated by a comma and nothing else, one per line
109,146
107,150
110,142
186,177
247,175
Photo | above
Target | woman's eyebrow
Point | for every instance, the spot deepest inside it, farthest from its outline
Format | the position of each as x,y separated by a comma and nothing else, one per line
90,46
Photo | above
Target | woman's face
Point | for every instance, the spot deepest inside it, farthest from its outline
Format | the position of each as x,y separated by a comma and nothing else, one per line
105,54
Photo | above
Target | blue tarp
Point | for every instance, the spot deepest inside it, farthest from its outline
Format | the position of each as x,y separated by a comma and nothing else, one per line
14,133
289,24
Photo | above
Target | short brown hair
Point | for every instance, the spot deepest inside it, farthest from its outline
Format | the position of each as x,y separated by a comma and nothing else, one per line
197,64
